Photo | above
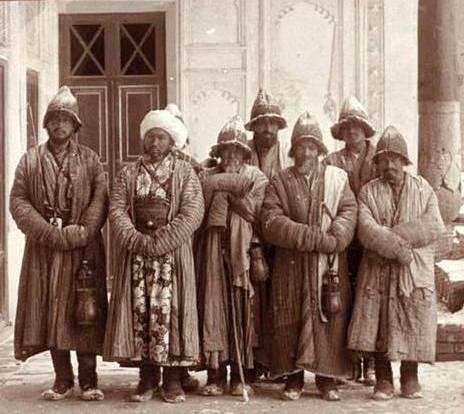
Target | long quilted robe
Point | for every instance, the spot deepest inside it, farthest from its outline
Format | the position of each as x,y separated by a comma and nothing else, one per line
395,307
214,299
302,336
45,319
185,215
275,161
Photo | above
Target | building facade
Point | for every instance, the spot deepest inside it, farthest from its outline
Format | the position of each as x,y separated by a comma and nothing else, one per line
122,58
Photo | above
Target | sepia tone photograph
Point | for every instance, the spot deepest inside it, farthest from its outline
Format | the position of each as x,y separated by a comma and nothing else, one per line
231,206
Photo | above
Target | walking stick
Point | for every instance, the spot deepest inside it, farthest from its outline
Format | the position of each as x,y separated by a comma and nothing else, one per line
235,330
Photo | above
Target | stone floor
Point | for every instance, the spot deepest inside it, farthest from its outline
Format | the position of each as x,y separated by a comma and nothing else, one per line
22,383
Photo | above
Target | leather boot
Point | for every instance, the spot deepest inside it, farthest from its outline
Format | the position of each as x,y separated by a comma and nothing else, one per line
410,387
383,389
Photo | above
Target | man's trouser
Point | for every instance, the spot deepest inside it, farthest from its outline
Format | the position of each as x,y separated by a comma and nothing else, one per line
87,368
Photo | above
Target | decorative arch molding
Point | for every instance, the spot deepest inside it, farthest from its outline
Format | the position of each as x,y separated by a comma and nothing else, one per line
319,7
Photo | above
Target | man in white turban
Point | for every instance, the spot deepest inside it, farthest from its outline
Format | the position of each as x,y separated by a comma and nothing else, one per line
155,207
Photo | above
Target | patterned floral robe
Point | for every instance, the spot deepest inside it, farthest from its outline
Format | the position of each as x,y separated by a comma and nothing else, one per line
157,266
152,277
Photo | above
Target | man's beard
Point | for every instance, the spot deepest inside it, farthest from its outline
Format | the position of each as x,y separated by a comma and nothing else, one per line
156,155
393,177
58,137
231,167
265,141
307,165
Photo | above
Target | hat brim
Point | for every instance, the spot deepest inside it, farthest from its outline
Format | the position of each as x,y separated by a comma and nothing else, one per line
280,120
321,146
71,114
406,159
336,129
215,149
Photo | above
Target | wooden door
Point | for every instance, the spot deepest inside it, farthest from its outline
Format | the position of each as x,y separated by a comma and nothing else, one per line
32,107
115,65
3,279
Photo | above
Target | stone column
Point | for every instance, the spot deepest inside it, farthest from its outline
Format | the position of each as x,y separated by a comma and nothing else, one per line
439,107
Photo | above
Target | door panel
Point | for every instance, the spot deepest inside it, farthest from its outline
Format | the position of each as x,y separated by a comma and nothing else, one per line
32,105
93,108
115,64
3,279
134,102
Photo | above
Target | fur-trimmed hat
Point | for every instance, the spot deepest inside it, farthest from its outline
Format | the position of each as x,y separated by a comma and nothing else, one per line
392,141
352,112
307,127
64,101
165,120
265,107
232,133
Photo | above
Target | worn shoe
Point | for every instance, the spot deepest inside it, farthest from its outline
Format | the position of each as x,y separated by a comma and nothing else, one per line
383,391
59,391
92,394
173,393
236,389
411,389
291,394
293,386
143,392
212,390
330,395
413,395
369,378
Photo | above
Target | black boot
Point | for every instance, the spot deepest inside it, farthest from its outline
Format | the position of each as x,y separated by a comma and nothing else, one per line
172,387
216,382
236,386
88,377
293,386
189,383
383,389
64,377
410,387
149,376
368,367
328,388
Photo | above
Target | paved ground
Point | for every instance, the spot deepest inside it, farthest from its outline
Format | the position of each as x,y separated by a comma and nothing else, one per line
21,384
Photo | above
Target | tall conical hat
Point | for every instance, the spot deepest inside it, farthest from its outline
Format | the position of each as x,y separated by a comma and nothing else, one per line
64,101
232,133
352,112
392,141
306,126
265,106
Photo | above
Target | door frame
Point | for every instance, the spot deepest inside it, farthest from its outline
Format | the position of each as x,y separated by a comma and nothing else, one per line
173,34
4,314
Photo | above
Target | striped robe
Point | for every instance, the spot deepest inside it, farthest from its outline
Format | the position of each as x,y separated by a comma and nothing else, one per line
301,338
185,216
47,284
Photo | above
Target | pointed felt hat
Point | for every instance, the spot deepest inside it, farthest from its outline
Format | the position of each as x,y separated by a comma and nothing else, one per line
392,141
265,106
352,112
232,133
64,101
307,127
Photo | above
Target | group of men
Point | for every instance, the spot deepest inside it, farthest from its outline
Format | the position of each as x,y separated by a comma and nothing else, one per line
270,258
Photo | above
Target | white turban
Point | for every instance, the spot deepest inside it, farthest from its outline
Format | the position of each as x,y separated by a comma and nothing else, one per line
165,120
